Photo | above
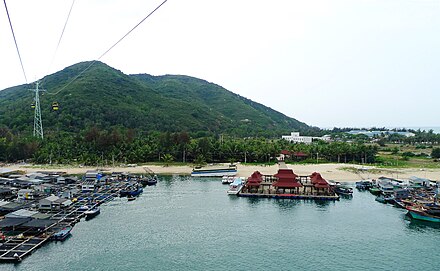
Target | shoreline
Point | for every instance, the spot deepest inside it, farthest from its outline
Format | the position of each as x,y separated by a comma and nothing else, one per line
330,172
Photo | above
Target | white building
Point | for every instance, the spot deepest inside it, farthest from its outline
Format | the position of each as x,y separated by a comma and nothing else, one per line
296,138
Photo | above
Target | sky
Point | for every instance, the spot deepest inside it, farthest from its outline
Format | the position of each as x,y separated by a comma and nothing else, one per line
328,63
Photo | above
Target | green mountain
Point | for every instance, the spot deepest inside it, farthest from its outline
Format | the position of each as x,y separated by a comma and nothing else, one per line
107,98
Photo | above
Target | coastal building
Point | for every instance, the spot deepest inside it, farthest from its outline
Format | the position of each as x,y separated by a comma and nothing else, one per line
378,133
295,137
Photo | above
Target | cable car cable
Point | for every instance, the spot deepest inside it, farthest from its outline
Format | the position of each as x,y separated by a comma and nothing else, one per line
62,33
108,50
15,40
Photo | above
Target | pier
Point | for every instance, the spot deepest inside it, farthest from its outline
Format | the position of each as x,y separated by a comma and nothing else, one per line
23,235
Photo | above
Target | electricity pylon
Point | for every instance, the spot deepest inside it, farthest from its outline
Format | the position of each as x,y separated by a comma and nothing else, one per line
38,124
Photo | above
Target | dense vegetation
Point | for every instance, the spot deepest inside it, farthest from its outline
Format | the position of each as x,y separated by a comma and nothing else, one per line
108,117
108,99
97,147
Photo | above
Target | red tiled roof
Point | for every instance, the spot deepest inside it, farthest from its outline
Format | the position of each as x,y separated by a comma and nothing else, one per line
286,179
285,152
318,181
285,173
300,154
257,176
287,184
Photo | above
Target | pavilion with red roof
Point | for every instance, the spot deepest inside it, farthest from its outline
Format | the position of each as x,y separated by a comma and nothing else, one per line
286,179
319,183
254,181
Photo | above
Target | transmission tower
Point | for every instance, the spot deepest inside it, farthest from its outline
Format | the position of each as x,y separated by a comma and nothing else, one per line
38,124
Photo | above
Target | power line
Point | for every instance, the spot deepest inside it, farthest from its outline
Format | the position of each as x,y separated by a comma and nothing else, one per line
15,40
62,33
108,50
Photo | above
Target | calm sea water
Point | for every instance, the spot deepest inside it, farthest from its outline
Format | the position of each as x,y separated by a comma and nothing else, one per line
191,224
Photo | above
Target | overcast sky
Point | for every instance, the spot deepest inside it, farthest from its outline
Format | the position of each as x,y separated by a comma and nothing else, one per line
329,63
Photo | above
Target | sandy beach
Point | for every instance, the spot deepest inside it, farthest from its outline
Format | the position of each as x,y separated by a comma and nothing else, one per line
334,172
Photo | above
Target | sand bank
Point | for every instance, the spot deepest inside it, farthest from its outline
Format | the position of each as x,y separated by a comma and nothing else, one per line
335,172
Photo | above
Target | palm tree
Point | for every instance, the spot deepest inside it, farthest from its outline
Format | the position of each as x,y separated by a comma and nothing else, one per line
167,159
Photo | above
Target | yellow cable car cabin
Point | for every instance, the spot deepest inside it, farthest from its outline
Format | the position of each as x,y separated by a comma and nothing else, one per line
55,106
32,105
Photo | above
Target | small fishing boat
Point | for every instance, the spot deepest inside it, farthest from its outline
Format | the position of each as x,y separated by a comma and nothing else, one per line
374,190
364,184
130,198
135,192
236,186
422,213
92,212
228,179
62,234
343,190
83,208
152,180
385,198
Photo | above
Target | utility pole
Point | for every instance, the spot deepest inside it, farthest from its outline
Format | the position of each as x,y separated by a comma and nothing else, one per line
38,124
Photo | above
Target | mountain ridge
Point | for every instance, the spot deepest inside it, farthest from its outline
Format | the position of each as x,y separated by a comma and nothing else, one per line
107,98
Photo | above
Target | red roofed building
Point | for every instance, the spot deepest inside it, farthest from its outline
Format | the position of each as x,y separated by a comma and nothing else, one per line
254,181
319,182
286,180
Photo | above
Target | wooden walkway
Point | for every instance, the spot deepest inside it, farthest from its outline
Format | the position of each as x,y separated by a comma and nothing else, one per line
15,249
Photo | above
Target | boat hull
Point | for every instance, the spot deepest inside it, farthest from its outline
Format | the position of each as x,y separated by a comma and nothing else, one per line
92,213
421,216
214,173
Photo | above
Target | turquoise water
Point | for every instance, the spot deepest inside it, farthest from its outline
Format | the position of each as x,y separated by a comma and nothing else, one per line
191,224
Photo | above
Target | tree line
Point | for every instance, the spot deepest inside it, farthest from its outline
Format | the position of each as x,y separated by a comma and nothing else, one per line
101,147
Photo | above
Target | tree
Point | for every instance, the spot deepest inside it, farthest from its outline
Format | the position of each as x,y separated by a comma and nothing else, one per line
167,159
435,153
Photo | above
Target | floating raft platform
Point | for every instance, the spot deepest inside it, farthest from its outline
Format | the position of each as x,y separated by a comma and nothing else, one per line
287,185
289,196
14,250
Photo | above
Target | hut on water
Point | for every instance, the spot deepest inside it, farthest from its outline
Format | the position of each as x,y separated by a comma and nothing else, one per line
286,179
320,185
253,182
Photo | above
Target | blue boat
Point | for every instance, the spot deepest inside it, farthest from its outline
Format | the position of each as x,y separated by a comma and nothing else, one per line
152,180
62,234
135,193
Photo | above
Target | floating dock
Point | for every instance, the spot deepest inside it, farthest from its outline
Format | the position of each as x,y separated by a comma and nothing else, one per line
22,243
287,185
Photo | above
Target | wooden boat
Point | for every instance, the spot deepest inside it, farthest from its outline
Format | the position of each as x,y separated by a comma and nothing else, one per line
92,212
62,234
135,193
343,190
364,185
152,180
422,213
374,190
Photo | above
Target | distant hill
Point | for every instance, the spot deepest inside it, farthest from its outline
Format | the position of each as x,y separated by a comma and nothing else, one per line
107,98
